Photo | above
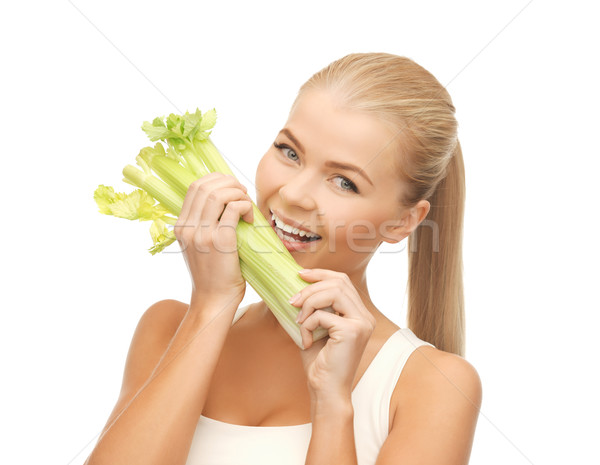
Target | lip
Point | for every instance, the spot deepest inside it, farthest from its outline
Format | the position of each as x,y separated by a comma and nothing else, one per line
293,246
291,222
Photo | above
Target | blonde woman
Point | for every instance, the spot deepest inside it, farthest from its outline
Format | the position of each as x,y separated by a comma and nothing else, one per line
369,154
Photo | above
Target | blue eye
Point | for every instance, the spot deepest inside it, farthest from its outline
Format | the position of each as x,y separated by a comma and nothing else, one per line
285,148
288,151
350,184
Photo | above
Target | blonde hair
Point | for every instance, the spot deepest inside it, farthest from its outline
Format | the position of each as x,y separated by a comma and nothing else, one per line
410,99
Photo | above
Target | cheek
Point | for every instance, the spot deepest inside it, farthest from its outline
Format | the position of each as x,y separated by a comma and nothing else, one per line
261,171
358,229
351,228
266,176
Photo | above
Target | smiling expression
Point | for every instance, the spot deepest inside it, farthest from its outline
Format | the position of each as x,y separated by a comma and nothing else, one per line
331,171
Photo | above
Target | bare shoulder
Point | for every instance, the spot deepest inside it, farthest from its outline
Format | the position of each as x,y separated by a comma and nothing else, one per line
436,371
151,338
436,404
160,319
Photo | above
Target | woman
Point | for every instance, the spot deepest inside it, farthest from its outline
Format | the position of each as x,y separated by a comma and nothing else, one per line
198,389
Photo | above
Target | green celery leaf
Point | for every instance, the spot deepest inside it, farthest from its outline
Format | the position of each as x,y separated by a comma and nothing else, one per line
208,120
137,205
192,124
105,196
202,135
160,246
161,236
154,132
147,153
172,153
158,122
175,123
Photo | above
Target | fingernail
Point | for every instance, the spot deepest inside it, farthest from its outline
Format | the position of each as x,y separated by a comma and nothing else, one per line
304,271
294,299
299,317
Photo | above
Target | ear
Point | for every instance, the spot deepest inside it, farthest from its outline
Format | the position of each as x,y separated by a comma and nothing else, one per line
408,222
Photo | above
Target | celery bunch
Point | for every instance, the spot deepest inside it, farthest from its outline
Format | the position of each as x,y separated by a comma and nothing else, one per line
183,153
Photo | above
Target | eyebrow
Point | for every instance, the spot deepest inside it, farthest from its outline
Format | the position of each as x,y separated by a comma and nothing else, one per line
331,163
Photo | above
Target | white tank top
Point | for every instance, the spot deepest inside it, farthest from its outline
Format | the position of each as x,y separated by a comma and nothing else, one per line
219,443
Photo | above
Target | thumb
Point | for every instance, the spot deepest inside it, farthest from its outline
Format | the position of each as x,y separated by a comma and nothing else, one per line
309,355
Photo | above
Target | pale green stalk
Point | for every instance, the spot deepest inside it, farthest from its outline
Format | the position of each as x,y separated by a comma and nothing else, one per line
211,156
265,263
155,187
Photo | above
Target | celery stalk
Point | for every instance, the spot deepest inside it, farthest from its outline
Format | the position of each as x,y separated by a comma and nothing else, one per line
211,156
265,263
161,191
171,172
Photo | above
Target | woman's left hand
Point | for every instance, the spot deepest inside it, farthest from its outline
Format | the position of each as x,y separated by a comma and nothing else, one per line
332,362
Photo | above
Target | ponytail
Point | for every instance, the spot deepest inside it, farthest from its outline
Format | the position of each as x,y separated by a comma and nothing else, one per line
435,268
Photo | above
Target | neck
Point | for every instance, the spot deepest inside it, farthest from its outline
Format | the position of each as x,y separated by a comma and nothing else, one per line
359,279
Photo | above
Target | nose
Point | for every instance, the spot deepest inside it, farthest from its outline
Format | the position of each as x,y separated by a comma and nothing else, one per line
298,191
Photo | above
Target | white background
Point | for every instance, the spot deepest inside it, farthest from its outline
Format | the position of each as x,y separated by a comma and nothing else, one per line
77,81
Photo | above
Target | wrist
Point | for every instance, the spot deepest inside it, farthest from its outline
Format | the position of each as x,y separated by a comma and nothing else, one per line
337,406
212,306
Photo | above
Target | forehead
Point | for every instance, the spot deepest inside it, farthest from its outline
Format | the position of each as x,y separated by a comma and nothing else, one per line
328,130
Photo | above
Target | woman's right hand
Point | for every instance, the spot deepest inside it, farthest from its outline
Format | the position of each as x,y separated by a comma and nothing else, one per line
206,232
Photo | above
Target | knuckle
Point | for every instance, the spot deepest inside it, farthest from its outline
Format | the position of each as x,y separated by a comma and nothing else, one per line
181,230
197,183
178,231
243,204
369,325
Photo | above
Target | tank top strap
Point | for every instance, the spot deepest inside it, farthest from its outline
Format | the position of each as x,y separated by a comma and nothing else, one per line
372,395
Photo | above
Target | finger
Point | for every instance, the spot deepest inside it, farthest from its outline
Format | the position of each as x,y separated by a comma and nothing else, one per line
202,189
318,274
309,354
320,318
191,193
333,298
337,327
224,236
216,202
234,210
332,286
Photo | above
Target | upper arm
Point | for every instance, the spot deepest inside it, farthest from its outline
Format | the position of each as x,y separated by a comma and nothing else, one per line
151,338
438,406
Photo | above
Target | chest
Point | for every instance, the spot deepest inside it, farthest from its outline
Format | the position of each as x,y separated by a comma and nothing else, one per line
259,379
259,382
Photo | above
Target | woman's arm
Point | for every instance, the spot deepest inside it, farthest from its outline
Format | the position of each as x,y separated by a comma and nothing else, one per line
331,363
169,367
168,372
439,397
332,439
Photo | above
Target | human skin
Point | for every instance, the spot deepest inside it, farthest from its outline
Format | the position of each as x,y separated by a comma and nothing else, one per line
181,353
298,184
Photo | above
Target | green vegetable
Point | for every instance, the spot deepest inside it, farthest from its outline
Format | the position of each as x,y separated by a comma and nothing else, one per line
163,181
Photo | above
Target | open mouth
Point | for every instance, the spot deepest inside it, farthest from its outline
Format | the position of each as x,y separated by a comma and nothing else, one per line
291,233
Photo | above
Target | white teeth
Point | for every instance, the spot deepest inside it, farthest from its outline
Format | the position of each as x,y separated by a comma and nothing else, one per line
290,229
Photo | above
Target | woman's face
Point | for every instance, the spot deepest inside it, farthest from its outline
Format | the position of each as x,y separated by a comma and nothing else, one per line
301,180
